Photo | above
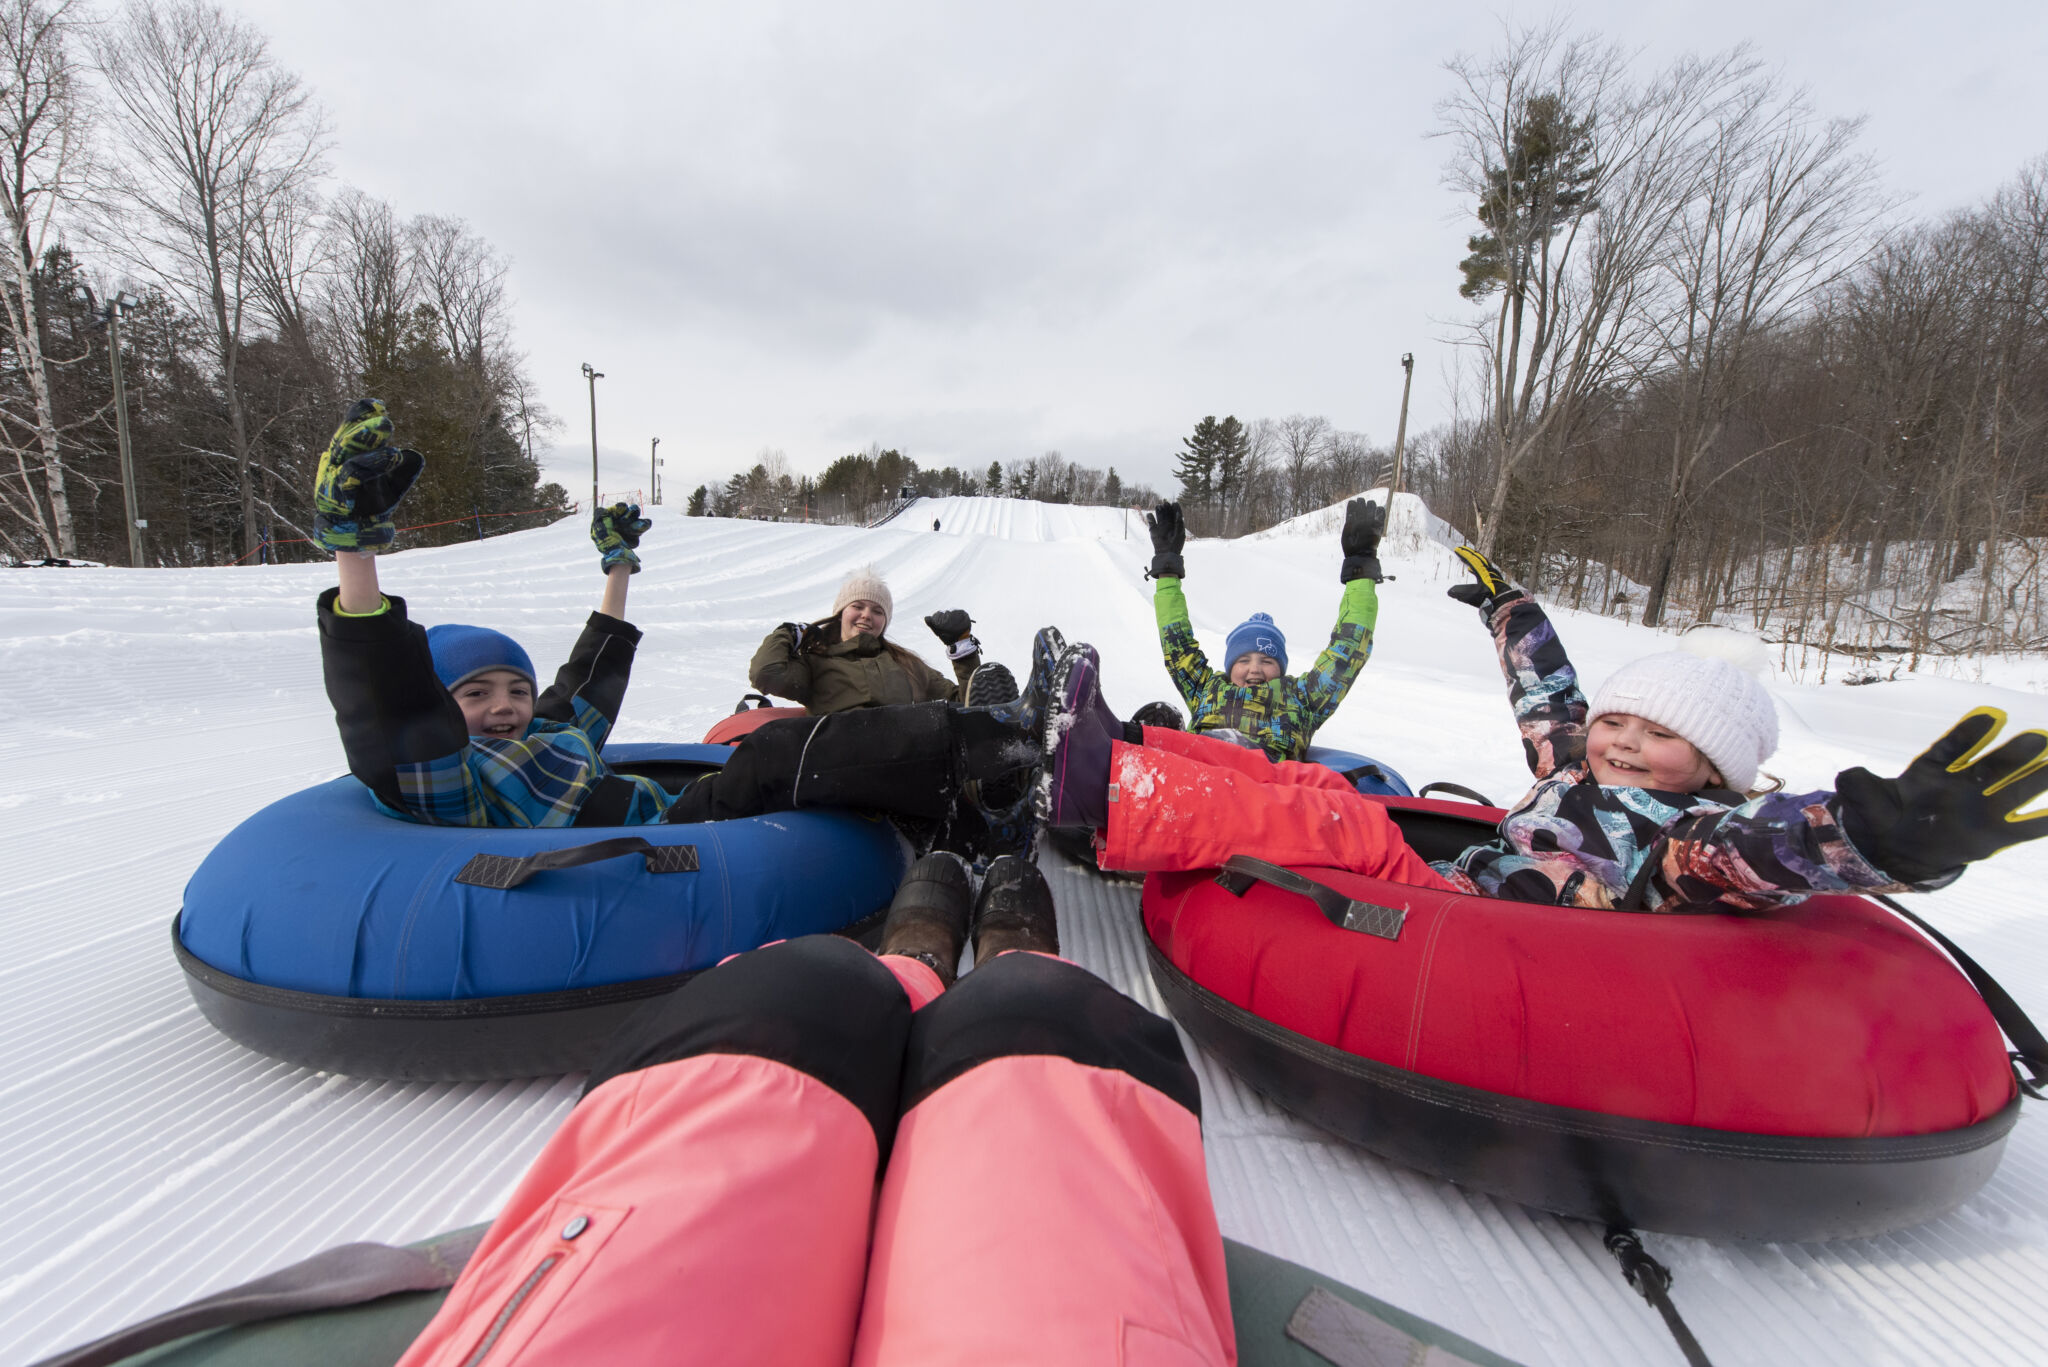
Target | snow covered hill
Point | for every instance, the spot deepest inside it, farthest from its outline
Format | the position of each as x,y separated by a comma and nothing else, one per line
145,1160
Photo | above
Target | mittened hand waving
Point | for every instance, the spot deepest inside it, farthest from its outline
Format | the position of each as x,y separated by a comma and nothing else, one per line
616,533
1493,587
953,628
361,478
1953,804
1168,536
1364,524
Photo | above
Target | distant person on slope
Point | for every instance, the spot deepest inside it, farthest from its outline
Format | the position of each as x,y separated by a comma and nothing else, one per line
1640,802
1255,702
846,660
442,725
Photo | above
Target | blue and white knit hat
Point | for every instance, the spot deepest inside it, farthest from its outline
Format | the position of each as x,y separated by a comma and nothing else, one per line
462,652
1255,632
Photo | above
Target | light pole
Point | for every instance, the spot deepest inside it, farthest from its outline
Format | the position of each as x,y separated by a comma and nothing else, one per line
1401,432
111,313
593,376
654,473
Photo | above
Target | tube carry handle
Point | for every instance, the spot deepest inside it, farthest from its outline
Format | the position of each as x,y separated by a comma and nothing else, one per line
505,872
1240,871
1457,790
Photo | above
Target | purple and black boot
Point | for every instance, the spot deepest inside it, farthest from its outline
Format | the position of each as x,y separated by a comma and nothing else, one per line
1079,731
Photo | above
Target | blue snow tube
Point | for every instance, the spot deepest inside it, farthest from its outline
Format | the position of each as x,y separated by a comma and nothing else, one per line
1369,774
324,932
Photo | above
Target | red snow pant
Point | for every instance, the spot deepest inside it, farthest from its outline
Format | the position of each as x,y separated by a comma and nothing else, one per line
1182,801
783,1164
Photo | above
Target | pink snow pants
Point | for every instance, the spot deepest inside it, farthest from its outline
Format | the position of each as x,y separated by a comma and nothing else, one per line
783,1164
1182,801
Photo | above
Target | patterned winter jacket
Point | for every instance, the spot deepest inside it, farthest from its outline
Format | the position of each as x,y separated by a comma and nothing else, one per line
1281,714
1574,842
406,740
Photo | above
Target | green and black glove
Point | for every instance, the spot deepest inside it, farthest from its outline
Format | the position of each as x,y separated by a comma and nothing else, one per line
1493,587
953,627
1364,525
1950,807
616,531
1169,534
361,478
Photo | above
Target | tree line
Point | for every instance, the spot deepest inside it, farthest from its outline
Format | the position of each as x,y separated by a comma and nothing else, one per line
1237,477
1717,373
164,178
859,487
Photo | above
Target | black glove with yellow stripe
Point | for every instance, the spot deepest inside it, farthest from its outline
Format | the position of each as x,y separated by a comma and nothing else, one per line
1493,587
361,478
1951,806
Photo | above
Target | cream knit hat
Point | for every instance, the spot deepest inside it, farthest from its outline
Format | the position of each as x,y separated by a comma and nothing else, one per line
865,582
1721,708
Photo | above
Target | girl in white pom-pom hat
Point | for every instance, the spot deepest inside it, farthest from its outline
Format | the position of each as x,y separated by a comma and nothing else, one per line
1642,799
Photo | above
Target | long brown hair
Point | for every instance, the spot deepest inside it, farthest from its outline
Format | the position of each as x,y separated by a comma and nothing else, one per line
825,633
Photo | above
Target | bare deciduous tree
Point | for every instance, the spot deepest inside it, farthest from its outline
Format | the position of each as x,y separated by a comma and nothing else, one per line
1576,174
1779,208
42,167
218,133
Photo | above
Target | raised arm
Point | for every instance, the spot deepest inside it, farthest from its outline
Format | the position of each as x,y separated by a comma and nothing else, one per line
955,630
1543,688
1325,683
780,667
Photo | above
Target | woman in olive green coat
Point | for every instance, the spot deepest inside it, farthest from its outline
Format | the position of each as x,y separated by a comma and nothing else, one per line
846,660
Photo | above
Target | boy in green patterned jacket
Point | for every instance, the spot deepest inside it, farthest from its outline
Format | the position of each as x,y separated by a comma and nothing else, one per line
1254,701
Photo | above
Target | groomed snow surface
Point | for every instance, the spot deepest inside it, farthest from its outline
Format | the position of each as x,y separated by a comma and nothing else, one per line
145,1160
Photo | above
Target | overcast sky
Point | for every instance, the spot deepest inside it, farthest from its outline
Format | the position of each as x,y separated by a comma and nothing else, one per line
979,233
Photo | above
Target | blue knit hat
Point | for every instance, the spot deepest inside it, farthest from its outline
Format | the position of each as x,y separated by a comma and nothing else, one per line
1255,632
462,652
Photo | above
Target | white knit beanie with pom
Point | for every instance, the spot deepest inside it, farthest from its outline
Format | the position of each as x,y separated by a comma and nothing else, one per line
865,582
1702,692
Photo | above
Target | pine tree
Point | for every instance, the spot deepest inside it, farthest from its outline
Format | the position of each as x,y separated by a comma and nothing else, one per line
696,505
1195,467
993,481
1233,453
1112,489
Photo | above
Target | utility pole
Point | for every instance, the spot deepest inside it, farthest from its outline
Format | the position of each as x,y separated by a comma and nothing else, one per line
654,473
1401,432
593,376
111,313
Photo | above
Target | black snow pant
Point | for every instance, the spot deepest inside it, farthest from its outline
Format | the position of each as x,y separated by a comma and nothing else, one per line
905,761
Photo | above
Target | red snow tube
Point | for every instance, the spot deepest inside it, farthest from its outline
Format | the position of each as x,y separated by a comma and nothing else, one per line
728,730
1816,1072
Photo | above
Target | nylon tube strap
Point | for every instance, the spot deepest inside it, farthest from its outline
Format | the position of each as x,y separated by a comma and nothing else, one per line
2029,1050
1240,871
1652,1281
505,872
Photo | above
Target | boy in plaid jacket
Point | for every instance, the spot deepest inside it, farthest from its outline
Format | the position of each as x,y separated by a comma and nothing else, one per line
442,725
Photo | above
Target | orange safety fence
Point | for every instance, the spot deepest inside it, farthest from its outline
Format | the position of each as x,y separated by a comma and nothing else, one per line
418,527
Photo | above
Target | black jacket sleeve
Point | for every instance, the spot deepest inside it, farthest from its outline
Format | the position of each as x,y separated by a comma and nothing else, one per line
388,705
597,671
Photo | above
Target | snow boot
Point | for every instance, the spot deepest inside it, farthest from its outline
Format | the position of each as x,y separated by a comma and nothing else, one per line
1079,731
1163,715
1025,709
991,684
928,919
1006,802
1015,911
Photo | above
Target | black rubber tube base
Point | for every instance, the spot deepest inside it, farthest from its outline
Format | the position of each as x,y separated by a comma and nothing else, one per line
1615,1170
475,1039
